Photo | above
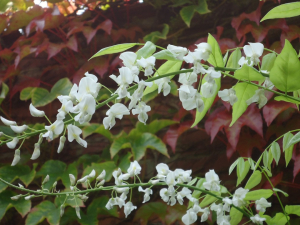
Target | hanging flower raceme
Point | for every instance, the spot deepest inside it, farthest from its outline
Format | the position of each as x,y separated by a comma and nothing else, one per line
118,110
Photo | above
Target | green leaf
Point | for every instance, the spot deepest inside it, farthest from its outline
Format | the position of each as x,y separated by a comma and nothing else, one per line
154,126
114,49
46,209
288,150
268,171
187,14
278,219
294,140
96,128
251,162
26,93
281,191
268,61
192,182
243,91
234,59
283,11
62,87
266,158
293,209
11,173
165,54
254,180
72,169
258,194
196,194
109,167
146,51
275,150
202,7
248,73
156,35
125,162
150,209
4,91
215,58
41,97
240,167
225,58
244,173
167,67
55,170
21,205
235,216
208,199
286,69
285,99
233,165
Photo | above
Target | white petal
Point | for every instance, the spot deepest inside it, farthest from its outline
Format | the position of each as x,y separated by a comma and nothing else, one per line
35,112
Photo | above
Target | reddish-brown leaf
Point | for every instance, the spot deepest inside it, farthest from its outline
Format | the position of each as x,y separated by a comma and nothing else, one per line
22,52
89,33
275,181
72,43
3,22
106,26
53,49
273,108
101,67
24,84
296,166
7,54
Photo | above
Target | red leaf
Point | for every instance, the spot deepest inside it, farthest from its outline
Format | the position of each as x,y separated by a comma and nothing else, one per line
174,132
7,54
243,30
247,142
53,49
76,27
291,34
106,26
273,108
296,166
72,44
42,47
101,67
3,22
275,181
22,52
89,33
10,72
29,82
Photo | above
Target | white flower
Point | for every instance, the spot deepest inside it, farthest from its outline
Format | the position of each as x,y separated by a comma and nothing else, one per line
218,208
92,174
83,179
212,181
162,170
183,176
204,49
205,214
29,197
129,59
73,93
257,219
183,193
212,74
66,106
259,97
163,84
72,179
177,52
19,129
187,79
12,144
101,176
195,58
262,204
111,202
7,122
209,89
254,51
123,80
228,95
85,109
138,93
17,157
128,208
134,168
170,179
36,152
147,192
227,202
268,84
238,197
116,111
194,102
54,129
243,61
16,197
164,194
223,220
77,210
46,179
142,110
62,141
147,64
73,133
35,112
189,218
154,181
88,85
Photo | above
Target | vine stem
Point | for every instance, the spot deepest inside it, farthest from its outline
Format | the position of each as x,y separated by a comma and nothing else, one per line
120,186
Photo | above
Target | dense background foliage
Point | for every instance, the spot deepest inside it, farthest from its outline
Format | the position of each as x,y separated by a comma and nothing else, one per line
40,47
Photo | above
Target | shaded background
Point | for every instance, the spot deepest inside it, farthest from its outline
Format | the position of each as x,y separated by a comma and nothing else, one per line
40,46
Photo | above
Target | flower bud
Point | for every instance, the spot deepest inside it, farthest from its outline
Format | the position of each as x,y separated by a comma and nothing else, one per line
72,179
54,184
92,174
19,129
20,185
62,210
29,197
7,122
101,176
77,209
46,180
17,157
40,139
12,144
71,188
154,182
62,141
83,197
36,152
101,183
1,133
121,190
83,179
35,112
16,197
